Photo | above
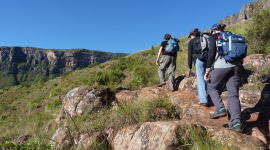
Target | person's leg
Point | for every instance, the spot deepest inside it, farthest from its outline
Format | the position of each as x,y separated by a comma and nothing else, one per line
162,68
171,72
201,84
218,74
234,106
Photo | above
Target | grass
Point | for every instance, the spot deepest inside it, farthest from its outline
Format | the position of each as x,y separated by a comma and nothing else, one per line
126,114
197,138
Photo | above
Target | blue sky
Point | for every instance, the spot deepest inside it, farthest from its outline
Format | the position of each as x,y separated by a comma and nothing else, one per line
118,26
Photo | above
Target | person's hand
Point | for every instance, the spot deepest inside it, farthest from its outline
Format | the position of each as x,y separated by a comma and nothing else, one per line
206,76
157,62
191,72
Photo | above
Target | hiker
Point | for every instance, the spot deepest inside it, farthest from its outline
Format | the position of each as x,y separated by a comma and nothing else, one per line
194,53
229,71
168,61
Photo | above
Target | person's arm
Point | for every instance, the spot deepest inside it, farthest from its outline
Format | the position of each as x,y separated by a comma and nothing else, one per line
212,53
211,57
190,50
177,52
159,52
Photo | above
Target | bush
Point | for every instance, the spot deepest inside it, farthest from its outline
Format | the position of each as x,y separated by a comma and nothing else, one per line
258,34
93,65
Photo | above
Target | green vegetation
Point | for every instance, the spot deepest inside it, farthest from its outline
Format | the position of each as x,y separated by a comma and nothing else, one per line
258,31
26,146
199,139
30,108
126,114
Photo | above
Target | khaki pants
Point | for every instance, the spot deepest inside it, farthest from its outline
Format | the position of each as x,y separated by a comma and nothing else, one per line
169,63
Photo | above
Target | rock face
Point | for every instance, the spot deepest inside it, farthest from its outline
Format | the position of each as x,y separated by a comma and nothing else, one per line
22,60
244,14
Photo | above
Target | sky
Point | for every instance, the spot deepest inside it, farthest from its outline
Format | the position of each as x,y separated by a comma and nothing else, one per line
117,26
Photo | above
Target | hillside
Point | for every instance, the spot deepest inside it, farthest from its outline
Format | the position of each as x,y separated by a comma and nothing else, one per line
35,111
20,65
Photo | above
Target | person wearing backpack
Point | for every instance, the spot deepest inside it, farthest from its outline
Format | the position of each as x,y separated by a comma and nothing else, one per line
230,71
169,48
196,53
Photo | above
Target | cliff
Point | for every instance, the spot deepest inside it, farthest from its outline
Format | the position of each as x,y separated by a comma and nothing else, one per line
27,64
245,12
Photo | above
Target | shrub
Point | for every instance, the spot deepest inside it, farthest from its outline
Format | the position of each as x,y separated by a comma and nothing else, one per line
258,32
93,65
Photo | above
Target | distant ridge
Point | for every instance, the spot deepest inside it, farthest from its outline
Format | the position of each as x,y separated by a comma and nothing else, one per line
27,64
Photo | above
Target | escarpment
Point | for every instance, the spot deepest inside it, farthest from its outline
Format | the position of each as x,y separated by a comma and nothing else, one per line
26,64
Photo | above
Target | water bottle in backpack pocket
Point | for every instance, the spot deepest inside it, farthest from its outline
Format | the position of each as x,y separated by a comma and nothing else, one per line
233,46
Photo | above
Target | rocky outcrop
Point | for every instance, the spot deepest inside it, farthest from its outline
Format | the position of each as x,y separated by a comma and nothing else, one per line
46,62
244,14
84,100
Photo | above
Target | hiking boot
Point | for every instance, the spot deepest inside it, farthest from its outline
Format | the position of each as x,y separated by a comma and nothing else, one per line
236,127
203,104
161,84
219,113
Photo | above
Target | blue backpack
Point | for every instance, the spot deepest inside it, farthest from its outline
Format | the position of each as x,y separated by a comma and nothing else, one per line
231,46
172,45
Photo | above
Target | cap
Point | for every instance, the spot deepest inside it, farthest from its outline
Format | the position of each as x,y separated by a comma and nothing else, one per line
192,31
215,26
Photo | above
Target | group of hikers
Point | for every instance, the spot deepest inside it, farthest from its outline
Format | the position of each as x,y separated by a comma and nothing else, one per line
210,52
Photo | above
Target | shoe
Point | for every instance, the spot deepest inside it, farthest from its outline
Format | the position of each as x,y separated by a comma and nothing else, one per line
219,113
236,127
161,83
203,104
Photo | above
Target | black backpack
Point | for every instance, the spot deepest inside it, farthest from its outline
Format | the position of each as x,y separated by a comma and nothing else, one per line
201,46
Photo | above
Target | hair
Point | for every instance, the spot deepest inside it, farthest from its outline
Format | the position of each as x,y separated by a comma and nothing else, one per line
167,36
221,27
195,32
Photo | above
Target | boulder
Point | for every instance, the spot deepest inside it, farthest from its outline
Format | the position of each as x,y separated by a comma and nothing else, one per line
150,135
87,140
83,100
61,138
171,135
188,83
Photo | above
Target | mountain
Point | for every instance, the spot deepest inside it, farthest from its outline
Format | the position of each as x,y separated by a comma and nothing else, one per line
27,64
